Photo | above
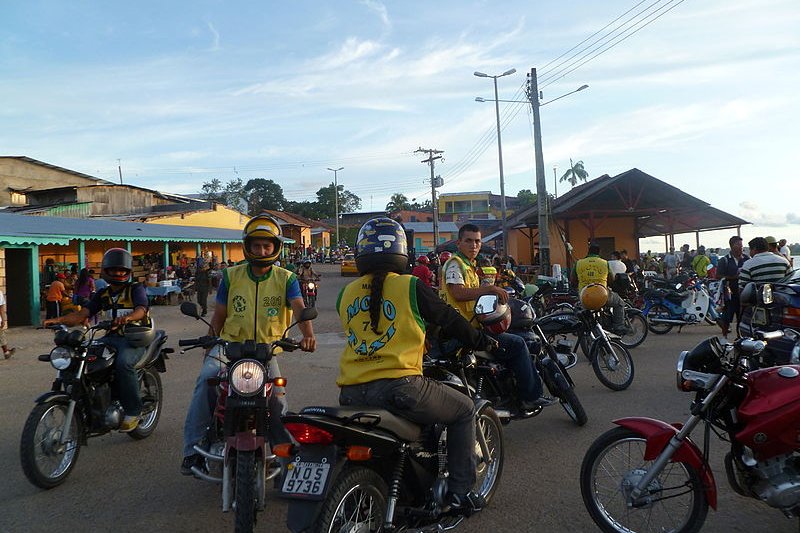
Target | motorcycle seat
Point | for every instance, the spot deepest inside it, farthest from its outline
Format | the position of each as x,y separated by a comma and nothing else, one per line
152,349
369,417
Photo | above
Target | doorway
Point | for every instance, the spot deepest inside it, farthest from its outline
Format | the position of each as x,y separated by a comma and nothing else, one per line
19,287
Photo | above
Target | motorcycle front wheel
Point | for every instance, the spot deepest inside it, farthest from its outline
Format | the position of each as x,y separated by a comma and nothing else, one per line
245,497
356,502
612,364
559,384
152,393
659,311
635,319
613,465
312,301
45,461
489,469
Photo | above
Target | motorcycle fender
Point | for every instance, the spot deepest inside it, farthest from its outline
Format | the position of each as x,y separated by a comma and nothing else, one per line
52,397
245,441
302,514
658,434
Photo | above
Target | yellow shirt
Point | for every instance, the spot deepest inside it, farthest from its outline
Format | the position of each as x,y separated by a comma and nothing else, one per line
471,281
394,352
592,269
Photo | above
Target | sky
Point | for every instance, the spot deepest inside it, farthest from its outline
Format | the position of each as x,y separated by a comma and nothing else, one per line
699,94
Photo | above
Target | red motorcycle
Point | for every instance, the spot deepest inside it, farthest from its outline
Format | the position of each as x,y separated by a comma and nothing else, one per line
309,290
647,475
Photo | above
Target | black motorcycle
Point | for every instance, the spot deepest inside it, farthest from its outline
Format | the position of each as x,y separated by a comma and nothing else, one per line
367,470
235,451
83,401
492,380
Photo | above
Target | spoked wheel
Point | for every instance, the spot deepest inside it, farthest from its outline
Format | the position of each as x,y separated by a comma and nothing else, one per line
489,469
612,364
45,460
312,301
635,319
658,311
245,497
356,502
614,464
560,385
152,394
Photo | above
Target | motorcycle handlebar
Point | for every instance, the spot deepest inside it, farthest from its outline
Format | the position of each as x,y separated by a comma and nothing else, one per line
200,341
288,345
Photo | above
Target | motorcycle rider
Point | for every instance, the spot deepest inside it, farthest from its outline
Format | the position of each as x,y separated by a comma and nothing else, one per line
127,301
461,287
305,274
382,313
255,300
594,269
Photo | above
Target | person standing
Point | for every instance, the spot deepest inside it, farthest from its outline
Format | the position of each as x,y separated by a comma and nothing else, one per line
670,264
763,265
700,262
728,269
54,296
7,352
202,282
84,288
785,252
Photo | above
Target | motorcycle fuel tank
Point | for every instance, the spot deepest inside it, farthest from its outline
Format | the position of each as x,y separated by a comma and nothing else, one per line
770,412
559,323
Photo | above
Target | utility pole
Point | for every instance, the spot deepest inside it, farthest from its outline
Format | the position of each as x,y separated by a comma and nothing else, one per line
119,167
436,181
541,185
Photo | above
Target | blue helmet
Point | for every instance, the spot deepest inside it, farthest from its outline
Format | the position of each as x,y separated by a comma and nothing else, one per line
381,245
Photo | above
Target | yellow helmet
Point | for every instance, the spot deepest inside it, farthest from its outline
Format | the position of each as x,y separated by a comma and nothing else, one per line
594,296
262,227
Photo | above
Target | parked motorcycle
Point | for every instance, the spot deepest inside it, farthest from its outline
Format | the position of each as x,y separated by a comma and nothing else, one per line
83,401
494,381
309,290
689,302
235,450
647,475
362,469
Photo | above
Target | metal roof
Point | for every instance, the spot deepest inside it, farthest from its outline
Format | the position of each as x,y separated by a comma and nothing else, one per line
23,229
54,167
427,227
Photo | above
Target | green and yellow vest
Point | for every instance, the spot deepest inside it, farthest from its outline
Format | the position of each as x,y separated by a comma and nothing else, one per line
471,281
592,269
121,304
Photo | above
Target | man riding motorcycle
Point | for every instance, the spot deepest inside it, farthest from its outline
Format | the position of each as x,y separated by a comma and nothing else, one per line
594,269
255,300
127,301
383,314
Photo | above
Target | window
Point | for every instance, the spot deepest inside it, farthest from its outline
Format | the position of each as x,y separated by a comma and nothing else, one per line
18,198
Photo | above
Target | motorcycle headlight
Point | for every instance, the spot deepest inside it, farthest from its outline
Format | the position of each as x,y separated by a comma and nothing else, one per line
247,377
766,293
60,358
311,285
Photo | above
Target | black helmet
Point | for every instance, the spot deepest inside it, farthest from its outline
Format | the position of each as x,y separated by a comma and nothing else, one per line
381,245
522,314
262,227
117,258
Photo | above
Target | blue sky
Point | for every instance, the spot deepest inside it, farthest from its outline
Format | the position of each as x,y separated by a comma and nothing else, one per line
703,98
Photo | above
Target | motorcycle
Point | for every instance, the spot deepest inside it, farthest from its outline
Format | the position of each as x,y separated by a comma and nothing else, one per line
309,290
689,303
611,361
82,402
492,380
650,475
235,450
364,469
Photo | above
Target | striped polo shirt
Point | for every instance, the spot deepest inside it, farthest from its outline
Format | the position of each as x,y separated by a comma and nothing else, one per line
764,267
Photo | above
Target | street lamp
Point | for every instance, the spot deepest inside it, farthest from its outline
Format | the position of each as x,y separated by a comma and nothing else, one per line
500,153
336,199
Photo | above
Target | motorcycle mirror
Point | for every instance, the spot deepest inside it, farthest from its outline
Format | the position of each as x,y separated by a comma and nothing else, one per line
190,309
678,286
309,313
709,267
486,304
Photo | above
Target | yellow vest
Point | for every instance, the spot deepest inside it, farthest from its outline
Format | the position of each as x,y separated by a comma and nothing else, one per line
471,281
121,304
256,305
592,269
396,351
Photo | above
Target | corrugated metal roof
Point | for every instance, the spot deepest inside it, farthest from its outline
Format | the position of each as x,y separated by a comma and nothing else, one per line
427,227
43,230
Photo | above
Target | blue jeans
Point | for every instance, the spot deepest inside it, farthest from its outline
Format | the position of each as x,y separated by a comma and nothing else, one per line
125,373
204,399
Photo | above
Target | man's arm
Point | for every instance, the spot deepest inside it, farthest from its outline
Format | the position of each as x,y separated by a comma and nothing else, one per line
309,342
464,294
72,319
218,319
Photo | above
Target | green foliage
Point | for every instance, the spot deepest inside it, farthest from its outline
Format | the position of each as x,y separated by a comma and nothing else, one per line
574,173
398,202
526,198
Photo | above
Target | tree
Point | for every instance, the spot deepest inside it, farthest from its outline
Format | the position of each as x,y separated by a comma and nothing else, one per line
348,202
398,202
424,206
526,198
574,173
263,194
235,197
212,191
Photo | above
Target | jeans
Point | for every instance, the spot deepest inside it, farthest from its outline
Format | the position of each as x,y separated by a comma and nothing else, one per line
204,399
617,310
426,402
125,373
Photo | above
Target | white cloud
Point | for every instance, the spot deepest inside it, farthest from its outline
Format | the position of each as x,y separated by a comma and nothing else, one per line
215,34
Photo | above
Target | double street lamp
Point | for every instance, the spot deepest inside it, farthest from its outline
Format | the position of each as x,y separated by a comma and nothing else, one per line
336,199
500,153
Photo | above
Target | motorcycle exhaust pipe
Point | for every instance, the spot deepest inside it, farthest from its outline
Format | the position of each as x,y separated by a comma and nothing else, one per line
669,321
503,414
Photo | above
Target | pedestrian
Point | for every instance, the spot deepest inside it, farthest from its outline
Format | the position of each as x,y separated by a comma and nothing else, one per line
772,245
84,288
54,296
763,266
670,264
700,262
728,269
202,283
785,252
7,352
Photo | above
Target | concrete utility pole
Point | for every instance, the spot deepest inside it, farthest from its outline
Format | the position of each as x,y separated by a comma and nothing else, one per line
336,201
541,185
433,155
119,167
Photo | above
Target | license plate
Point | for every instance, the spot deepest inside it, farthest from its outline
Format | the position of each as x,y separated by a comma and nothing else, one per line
306,478
760,317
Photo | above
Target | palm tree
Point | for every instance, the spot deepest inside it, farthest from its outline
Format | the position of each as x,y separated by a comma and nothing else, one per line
574,173
397,202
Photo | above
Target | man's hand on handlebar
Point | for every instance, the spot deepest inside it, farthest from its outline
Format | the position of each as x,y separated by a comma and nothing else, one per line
308,344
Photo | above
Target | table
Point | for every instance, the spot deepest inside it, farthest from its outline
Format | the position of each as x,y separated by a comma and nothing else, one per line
162,294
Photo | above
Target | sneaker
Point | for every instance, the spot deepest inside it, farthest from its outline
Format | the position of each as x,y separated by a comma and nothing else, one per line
193,460
544,401
129,423
466,504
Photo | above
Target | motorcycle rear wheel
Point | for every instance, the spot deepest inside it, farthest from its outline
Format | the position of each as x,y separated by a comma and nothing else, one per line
245,497
47,463
612,364
636,320
152,394
658,311
615,461
356,502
